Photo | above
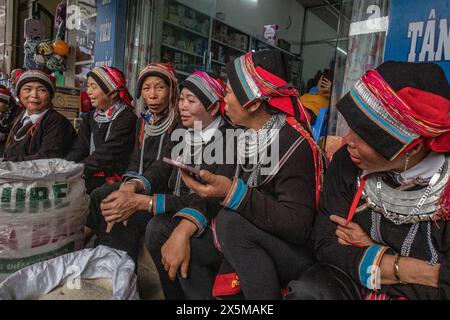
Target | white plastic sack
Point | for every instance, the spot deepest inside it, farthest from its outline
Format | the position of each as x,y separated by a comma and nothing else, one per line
43,210
39,279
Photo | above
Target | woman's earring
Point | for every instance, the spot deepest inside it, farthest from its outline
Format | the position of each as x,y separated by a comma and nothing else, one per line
406,160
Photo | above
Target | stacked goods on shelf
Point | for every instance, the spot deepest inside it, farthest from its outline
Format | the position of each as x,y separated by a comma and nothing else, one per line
227,44
186,17
185,37
192,41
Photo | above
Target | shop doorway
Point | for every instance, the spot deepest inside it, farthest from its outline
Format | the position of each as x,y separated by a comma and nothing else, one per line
325,37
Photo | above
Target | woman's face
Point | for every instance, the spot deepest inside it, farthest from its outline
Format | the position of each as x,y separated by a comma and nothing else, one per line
366,158
156,94
35,97
192,110
97,96
234,110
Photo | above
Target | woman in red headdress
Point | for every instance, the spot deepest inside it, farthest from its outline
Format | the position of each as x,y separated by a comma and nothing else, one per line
383,231
265,213
106,135
39,131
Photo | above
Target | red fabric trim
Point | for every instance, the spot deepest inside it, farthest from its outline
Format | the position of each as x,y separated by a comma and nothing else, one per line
121,84
428,106
5,91
284,104
270,77
356,199
115,76
432,109
109,180
32,130
85,102
216,240
226,285
113,179
317,156
51,78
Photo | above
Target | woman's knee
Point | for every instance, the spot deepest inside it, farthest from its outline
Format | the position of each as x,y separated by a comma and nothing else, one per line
101,193
231,228
157,232
95,218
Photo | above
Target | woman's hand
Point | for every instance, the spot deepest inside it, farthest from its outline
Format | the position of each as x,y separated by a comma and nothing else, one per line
214,186
128,187
176,252
351,234
119,206
324,86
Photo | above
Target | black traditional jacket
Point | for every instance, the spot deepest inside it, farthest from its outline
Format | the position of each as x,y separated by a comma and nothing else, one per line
339,191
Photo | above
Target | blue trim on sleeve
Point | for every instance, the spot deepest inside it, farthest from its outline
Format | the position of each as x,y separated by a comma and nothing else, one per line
147,185
367,263
144,180
197,215
160,203
238,195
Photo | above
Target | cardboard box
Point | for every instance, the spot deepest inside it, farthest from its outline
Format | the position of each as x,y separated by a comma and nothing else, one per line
67,102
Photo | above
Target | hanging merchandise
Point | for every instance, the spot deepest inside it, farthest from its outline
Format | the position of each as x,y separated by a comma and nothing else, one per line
61,48
34,32
56,63
43,53
34,29
60,20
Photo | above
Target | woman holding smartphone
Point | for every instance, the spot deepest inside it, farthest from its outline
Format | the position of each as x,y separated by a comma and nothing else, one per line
200,105
263,229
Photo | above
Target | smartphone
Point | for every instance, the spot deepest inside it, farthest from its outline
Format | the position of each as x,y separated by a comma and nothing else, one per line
328,74
182,166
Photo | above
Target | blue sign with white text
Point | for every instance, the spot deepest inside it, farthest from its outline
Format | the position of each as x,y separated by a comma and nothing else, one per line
419,31
110,38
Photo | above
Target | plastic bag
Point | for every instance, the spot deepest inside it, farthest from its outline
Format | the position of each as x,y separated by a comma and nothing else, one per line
43,211
102,262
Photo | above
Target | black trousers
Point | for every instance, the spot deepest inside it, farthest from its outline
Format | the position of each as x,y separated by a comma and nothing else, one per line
264,263
324,282
203,267
121,237
91,181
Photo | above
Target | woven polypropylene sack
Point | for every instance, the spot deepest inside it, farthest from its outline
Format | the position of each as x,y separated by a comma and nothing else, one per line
101,262
43,210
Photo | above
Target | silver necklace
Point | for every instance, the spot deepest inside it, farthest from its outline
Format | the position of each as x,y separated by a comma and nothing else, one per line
25,133
264,138
401,219
152,130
